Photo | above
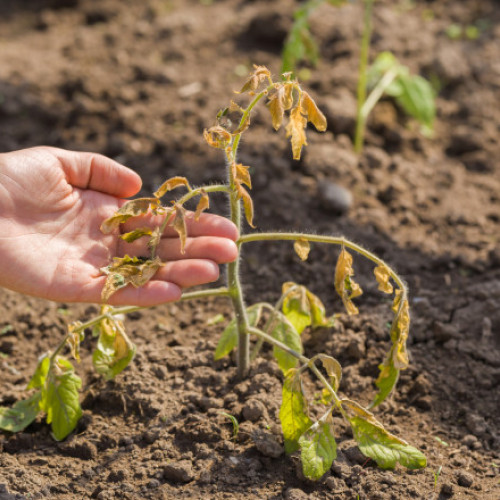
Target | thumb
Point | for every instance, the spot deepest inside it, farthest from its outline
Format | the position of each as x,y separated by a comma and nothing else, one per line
97,172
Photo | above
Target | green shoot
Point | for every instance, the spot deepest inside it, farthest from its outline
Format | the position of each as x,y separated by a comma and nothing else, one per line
234,421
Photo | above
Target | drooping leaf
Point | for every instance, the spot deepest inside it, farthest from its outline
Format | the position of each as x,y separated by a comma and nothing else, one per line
155,239
136,234
293,411
217,137
399,335
302,247
286,333
76,336
314,115
229,337
170,184
345,286
259,75
60,399
380,445
383,275
179,224
318,450
203,204
277,107
125,270
244,124
247,203
40,376
333,369
132,208
114,350
386,381
296,131
241,175
19,416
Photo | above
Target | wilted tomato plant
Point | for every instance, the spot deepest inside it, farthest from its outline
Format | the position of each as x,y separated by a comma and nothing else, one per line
56,385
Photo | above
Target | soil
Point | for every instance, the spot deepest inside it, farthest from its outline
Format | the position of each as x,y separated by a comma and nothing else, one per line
139,81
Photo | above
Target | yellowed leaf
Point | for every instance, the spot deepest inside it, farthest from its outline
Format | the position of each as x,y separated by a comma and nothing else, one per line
203,204
247,203
132,208
241,175
314,115
155,239
296,131
170,184
276,107
179,224
399,335
136,234
345,286
302,248
217,137
74,339
260,74
383,275
288,96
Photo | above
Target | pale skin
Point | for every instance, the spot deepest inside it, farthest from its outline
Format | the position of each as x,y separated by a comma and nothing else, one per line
52,203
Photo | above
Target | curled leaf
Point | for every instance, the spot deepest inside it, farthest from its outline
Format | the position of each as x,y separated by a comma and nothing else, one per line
333,369
132,208
383,275
277,107
170,184
203,204
136,234
155,239
217,137
314,115
243,126
247,203
75,338
345,286
241,175
179,225
259,75
302,248
296,131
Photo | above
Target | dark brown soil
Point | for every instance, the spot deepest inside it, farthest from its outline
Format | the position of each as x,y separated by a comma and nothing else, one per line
139,81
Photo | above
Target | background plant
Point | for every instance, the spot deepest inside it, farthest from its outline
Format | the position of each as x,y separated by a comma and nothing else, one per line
56,385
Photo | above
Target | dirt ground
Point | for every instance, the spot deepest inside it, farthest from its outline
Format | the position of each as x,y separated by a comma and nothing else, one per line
139,81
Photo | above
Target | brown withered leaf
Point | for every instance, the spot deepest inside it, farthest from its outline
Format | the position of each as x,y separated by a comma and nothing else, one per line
314,115
288,97
277,107
125,270
241,175
132,208
170,184
203,204
302,247
136,234
296,130
75,338
179,224
345,286
247,203
217,137
155,239
259,75
243,126
399,335
383,275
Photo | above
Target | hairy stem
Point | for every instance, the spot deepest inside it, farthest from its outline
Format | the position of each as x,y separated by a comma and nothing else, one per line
362,81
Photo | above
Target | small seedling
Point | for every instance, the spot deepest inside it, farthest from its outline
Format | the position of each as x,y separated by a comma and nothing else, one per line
56,385
436,475
440,441
234,421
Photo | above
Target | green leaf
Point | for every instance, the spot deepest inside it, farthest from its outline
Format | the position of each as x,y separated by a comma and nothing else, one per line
286,333
383,63
318,450
114,350
40,376
60,399
21,415
293,412
229,337
382,446
417,99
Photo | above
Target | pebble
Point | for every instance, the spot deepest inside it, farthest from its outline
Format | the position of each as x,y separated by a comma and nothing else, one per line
295,494
465,479
447,489
334,198
253,410
179,472
267,444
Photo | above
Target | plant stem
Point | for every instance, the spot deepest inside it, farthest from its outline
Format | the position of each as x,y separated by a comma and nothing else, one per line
377,92
362,81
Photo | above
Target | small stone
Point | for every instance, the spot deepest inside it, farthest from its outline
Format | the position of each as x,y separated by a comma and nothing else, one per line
153,484
253,410
334,198
331,483
295,494
267,444
465,479
447,489
179,472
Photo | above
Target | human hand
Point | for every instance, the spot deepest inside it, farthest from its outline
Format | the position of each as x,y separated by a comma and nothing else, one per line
52,203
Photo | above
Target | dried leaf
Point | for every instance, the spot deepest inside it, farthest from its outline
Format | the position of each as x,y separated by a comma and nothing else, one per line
75,338
136,234
241,175
333,369
242,126
155,239
277,107
383,275
127,270
203,204
260,74
345,286
179,225
132,208
288,97
170,184
302,248
247,203
217,137
399,335
296,131
314,115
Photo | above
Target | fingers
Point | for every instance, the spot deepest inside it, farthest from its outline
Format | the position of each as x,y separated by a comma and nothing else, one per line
206,225
97,172
220,250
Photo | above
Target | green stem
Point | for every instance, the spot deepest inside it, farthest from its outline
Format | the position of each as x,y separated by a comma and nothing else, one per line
362,82
377,92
